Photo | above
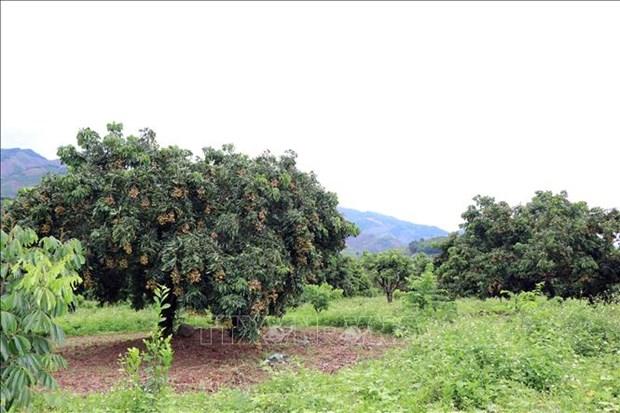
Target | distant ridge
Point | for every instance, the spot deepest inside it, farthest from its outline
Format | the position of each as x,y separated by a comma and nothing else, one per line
20,168
380,232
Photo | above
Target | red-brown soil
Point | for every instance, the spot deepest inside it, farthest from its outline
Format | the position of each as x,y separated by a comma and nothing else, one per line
209,360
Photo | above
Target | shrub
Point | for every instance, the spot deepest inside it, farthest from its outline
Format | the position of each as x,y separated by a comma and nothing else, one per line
424,292
591,330
37,281
524,299
320,296
398,294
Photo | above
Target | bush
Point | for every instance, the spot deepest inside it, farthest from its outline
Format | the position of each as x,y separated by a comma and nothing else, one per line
37,280
424,292
83,302
398,294
320,296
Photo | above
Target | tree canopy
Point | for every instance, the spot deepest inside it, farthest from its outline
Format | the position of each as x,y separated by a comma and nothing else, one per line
235,234
431,246
571,248
389,270
347,274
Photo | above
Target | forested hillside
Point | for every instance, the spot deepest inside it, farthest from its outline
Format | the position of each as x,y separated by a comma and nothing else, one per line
381,232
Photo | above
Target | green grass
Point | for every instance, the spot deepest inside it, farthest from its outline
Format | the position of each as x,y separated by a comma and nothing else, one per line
547,356
374,313
91,319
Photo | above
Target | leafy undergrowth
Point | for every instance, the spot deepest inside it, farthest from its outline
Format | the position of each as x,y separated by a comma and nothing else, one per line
495,356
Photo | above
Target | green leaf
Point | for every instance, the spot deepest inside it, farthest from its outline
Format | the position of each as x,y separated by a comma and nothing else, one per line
41,345
4,350
8,322
19,345
47,300
56,333
47,380
37,322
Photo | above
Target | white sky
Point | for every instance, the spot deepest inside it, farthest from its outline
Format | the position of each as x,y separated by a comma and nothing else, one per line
407,109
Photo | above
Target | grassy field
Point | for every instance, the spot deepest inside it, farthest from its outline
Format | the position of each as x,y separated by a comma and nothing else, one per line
494,356
90,319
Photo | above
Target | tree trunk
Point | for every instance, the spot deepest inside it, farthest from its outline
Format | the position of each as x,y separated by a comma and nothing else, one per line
390,295
168,314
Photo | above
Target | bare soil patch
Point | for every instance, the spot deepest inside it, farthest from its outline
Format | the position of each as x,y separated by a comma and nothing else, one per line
210,360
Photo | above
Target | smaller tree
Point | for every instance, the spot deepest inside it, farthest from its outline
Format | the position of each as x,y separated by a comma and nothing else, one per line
36,282
320,296
346,273
424,292
147,371
389,270
420,262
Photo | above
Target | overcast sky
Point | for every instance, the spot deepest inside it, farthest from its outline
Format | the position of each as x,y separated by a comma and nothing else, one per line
407,109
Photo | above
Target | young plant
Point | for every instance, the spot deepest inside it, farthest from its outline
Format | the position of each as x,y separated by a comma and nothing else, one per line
320,295
37,278
524,299
424,291
147,371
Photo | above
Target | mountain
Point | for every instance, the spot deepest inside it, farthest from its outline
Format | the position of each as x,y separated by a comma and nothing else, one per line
381,232
21,168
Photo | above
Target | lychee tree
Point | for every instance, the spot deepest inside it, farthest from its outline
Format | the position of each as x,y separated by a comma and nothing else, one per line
234,234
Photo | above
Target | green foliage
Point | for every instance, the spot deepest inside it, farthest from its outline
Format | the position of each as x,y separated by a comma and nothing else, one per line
571,248
389,270
398,294
239,236
37,281
119,318
424,293
147,372
365,313
348,274
524,299
420,262
320,296
430,246
490,358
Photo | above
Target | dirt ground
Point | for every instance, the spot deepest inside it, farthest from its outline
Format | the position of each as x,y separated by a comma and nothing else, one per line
209,360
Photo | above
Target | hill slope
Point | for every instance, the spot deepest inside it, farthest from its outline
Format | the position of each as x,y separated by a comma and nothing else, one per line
21,168
380,232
